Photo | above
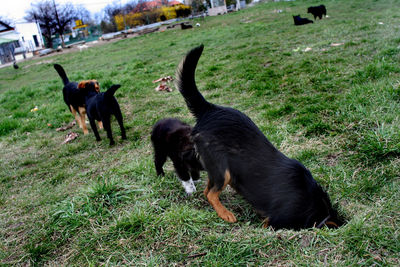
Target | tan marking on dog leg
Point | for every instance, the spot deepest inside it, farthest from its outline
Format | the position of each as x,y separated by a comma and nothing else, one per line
82,112
77,118
331,224
100,123
213,199
266,222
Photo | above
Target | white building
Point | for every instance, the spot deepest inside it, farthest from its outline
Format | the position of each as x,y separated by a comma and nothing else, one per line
19,42
30,36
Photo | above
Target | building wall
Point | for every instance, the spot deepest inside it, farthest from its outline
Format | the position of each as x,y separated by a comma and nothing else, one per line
217,11
27,32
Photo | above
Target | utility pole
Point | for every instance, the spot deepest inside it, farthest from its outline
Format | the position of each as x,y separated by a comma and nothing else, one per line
58,23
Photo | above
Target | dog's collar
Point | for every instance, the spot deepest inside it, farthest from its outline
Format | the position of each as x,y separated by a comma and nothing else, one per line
323,221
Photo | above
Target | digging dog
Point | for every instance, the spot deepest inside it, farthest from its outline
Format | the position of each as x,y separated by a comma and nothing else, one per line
172,138
235,152
301,21
75,98
100,107
317,11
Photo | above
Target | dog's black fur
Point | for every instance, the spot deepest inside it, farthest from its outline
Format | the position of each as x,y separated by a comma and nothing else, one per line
100,107
317,11
186,26
74,98
234,151
172,138
301,21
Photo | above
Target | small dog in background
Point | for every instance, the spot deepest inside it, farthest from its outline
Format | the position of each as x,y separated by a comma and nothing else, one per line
75,98
186,26
171,138
301,21
100,107
317,11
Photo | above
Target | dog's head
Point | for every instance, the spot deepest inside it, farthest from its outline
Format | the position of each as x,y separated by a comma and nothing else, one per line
181,138
333,219
89,85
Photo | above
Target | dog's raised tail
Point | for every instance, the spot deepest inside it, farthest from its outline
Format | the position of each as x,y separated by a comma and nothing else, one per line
62,73
111,91
185,82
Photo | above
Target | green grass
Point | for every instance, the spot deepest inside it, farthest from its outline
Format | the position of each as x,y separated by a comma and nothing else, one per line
335,108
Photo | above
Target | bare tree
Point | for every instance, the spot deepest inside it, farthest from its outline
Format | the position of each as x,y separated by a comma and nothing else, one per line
64,14
111,11
83,14
43,13
52,18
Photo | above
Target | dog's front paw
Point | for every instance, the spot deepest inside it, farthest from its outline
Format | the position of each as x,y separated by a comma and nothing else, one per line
189,187
98,139
227,216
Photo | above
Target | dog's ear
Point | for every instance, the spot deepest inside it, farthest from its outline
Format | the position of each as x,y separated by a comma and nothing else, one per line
180,135
96,85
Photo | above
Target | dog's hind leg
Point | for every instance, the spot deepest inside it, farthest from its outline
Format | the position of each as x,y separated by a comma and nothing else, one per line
118,116
94,128
213,197
107,127
100,123
82,114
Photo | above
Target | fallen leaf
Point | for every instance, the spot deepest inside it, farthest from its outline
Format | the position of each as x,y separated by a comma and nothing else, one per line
337,44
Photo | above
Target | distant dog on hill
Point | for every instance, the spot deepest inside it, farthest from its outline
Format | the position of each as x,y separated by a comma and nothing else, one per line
317,11
172,138
100,107
75,98
301,21
234,151
186,26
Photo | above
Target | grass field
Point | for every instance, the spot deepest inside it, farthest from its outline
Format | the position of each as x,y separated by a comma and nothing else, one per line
334,108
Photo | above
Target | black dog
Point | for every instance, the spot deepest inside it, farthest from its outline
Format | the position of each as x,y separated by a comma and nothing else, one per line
234,151
186,26
75,98
100,107
317,11
171,138
301,21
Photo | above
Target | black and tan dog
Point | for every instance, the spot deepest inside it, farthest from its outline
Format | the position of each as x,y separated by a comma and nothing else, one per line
172,138
74,98
234,151
317,11
100,107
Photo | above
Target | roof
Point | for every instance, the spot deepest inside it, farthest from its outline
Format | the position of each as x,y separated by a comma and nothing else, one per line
5,40
5,27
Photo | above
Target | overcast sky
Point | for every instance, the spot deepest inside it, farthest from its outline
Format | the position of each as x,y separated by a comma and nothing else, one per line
15,9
